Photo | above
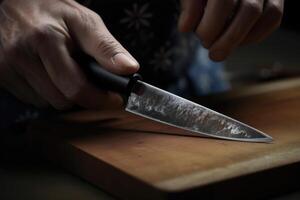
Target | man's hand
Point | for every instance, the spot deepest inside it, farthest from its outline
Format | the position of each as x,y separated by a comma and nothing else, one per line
37,38
223,25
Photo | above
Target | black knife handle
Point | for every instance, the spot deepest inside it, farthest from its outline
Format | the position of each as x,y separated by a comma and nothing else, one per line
104,79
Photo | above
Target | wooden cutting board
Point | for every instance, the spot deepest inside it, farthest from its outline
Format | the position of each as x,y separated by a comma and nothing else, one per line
130,158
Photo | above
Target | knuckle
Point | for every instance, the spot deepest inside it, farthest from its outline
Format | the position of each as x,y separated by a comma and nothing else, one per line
73,16
106,45
42,34
253,7
92,24
94,16
87,17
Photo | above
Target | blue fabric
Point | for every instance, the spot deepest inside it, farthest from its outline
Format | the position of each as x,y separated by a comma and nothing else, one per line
203,77
207,77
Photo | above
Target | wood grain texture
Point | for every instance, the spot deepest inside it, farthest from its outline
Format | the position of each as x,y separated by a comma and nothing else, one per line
129,157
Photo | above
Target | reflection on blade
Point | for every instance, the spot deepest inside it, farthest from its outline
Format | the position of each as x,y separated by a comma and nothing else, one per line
159,105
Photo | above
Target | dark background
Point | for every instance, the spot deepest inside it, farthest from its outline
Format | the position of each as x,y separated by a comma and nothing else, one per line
277,57
291,18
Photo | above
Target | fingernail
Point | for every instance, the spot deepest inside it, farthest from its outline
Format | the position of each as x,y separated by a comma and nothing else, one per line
217,55
123,60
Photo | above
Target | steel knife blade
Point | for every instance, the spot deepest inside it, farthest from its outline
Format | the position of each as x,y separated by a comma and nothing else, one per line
164,107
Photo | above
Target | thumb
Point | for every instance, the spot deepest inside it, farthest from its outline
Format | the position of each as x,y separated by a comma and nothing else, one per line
191,14
94,38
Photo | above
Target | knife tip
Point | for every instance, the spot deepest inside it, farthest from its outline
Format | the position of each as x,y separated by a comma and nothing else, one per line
265,139
268,139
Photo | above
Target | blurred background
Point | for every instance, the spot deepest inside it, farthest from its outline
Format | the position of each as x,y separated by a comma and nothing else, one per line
277,57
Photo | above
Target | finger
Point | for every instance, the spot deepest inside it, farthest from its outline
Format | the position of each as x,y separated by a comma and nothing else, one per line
269,22
29,67
17,86
191,13
247,15
216,16
94,38
37,77
68,78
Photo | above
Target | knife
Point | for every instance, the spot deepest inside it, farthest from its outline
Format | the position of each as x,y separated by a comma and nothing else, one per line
148,101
